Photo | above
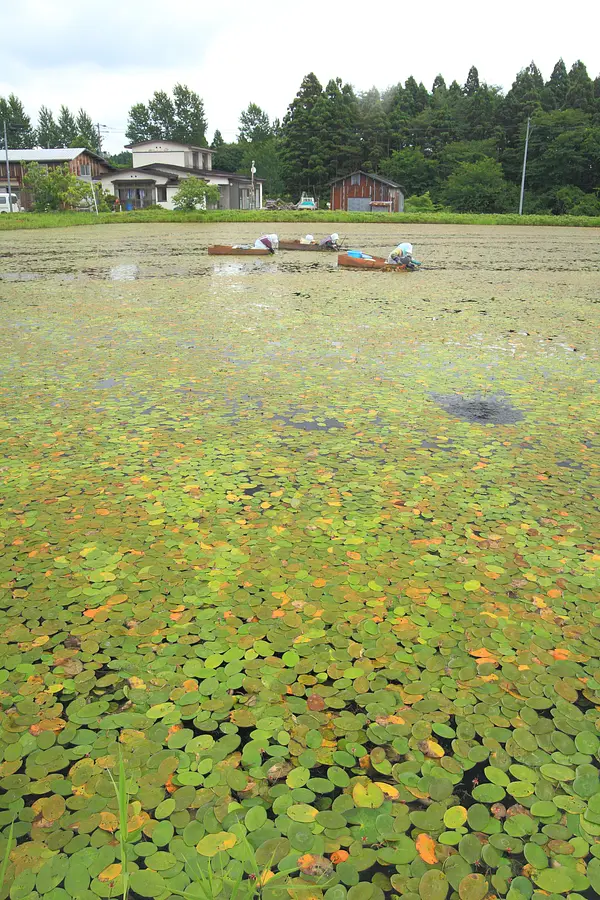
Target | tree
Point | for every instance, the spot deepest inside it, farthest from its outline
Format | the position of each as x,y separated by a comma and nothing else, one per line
229,157
479,187
177,118
298,143
336,145
254,124
373,131
217,140
556,88
123,160
190,119
194,193
161,109
580,93
20,134
412,169
87,133
67,127
47,133
472,82
268,165
55,188
139,127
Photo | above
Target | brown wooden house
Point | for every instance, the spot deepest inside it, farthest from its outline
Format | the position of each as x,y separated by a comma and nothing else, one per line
83,163
361,192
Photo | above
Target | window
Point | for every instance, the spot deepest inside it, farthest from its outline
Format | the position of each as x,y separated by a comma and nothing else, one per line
161,193
85,169
355,179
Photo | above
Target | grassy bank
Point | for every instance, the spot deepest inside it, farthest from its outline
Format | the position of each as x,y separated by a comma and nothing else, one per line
62,220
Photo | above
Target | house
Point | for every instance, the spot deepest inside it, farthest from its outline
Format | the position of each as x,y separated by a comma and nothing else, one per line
83,163
159,167
361,192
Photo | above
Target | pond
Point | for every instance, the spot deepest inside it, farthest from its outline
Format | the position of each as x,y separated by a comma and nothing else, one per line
312,552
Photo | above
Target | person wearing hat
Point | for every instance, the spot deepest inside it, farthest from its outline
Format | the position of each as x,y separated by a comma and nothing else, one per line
269,242
402,256
307,239
330,242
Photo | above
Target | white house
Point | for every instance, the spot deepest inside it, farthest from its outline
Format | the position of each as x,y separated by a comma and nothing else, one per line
160,166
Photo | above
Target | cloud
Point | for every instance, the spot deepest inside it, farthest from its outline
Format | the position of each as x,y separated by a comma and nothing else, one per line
234,52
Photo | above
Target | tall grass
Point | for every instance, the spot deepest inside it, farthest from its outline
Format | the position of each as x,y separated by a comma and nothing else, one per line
122,796
6,858
17,221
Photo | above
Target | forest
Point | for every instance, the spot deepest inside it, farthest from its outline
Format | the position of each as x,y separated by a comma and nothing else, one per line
453,146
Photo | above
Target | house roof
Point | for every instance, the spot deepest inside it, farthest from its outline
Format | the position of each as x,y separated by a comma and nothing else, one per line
53,154
387,181
175,143
201,173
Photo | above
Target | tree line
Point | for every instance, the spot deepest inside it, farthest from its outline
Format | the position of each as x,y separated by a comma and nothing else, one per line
68,129
457,146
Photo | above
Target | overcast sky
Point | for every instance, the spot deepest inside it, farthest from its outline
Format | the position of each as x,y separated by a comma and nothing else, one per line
105,57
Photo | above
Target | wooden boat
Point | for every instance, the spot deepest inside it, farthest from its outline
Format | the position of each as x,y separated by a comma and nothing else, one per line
376,262
227,250
298,245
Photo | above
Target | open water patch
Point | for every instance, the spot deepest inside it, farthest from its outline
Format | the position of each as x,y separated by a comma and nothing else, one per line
480,409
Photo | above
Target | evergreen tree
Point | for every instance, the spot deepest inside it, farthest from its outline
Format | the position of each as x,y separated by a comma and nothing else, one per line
190,119
47,132
20,134
254,125
67,127
439,86
87,133
580,93
556,88
298,141
217,140
372,129
472,82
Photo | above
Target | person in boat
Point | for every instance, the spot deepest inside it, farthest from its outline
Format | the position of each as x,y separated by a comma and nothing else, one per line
331,242
307,239
402,255
269,242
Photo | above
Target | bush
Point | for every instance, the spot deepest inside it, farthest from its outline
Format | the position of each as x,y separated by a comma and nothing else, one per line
55,188
195,192
480,187
421,203
572,201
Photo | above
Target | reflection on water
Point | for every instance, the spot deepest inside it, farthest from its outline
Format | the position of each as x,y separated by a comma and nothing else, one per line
124,272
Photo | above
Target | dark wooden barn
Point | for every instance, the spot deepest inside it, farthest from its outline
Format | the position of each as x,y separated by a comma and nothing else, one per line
361,192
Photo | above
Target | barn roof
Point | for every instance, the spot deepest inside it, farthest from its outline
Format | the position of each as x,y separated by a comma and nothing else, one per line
387,181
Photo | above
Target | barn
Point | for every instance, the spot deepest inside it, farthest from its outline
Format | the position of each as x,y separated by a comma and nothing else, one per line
361,192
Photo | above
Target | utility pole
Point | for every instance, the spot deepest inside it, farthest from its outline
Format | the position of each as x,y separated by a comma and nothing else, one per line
524,168
7,169
98,127
253,173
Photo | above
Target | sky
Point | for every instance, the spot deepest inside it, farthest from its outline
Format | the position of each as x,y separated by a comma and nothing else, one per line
107,57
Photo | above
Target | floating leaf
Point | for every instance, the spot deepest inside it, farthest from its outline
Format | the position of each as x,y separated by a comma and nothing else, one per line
426,848
367,795
215,843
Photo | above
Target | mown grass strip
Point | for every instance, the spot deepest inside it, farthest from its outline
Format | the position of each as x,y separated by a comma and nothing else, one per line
67,219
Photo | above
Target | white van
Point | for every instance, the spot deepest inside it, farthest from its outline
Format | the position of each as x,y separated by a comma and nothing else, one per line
5,205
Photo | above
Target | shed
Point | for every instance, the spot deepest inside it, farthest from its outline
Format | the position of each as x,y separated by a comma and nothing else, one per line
363,192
